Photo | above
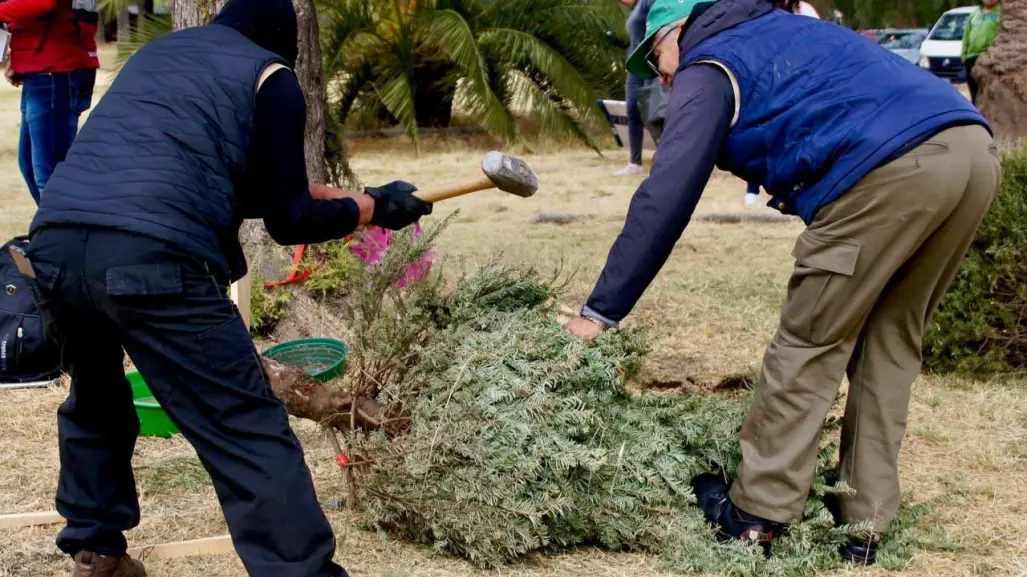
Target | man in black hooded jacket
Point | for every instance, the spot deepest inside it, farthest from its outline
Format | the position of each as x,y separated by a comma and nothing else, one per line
134,246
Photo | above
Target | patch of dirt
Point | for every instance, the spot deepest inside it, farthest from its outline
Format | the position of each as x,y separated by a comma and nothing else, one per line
732,383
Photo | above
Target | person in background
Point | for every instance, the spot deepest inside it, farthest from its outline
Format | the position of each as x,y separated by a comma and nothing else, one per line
752,189
636,128
803,9
134,246
53,59
980,33
892,196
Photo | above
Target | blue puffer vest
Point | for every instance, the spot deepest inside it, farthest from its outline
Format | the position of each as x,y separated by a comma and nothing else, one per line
819,105
164,151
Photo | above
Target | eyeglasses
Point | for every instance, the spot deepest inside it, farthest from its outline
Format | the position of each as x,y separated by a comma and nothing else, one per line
652,50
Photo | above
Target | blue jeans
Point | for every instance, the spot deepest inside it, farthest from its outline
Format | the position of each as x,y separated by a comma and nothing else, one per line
50,108
635,126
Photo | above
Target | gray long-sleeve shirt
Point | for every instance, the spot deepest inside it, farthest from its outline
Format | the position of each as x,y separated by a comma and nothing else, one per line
636,22
699,114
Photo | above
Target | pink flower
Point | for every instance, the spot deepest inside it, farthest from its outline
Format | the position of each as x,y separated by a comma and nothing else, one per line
370,248
373,243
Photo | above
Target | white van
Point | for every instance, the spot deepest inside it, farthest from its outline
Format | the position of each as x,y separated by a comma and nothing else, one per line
941,52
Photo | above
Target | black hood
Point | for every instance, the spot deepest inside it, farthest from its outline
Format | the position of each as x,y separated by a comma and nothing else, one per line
719,17
270,24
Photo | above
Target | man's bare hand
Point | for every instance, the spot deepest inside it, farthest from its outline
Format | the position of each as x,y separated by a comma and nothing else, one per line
583,328
364,202
9,75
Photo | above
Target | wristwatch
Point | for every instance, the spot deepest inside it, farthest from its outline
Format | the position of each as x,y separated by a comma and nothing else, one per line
595,320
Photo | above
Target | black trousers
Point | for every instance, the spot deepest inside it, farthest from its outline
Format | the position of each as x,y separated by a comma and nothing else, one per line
971,83
105,291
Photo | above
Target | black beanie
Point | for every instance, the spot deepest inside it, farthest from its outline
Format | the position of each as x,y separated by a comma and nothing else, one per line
270,24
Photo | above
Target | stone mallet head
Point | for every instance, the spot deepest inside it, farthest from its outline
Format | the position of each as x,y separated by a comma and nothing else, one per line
500,171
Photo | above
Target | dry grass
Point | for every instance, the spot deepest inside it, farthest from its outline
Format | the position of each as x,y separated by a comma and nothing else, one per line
712,310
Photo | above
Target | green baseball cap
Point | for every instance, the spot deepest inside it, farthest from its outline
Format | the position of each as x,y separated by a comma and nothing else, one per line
663,13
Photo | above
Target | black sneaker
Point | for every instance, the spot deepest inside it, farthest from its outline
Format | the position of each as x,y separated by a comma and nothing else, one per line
857,550
711,493
861,550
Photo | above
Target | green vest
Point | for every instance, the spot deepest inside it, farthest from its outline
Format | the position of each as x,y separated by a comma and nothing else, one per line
981,29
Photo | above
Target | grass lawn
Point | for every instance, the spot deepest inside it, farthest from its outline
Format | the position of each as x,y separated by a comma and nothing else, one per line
712,310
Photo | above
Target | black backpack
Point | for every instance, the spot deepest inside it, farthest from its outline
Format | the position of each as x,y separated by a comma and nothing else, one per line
26,355
85,11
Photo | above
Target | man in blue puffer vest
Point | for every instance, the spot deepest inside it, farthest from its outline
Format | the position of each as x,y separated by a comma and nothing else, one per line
134,246
891,169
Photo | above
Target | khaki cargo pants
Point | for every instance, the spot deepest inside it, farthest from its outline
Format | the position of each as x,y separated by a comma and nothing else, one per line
870,270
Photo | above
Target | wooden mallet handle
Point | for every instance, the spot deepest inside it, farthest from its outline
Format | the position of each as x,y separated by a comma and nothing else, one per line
483,182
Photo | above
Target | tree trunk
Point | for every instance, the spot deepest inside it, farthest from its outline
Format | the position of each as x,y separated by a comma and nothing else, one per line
308,71
186,13
1002,75
124,26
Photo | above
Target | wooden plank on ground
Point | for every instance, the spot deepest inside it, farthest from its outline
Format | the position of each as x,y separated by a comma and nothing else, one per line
221,545
30,519
208,546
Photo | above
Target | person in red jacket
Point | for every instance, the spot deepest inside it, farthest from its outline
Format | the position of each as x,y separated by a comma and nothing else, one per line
53,58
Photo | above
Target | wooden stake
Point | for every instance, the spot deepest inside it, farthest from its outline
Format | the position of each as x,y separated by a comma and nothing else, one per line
347,472
241,296
208,546
30,519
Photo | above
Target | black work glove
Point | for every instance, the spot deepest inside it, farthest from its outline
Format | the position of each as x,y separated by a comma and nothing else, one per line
395,206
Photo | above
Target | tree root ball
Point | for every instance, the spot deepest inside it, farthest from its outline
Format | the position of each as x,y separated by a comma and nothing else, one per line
306,398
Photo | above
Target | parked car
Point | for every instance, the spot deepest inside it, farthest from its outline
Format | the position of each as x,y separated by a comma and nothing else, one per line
905,43
941,52
870,34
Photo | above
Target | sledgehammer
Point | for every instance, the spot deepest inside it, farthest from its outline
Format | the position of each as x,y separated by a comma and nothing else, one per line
500,171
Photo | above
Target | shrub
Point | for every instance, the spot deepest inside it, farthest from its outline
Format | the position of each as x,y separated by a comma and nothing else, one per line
268,306
981,326
501,436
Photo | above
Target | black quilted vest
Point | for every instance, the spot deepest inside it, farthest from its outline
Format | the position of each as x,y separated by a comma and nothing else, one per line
164,153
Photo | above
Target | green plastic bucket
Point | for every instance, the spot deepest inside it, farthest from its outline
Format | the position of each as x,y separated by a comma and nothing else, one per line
153,421
323,359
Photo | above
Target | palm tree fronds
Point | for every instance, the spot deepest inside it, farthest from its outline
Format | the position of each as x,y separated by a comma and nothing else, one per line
561,74
109,9
398,97
550,116
450,32
420,58
351,88
157,25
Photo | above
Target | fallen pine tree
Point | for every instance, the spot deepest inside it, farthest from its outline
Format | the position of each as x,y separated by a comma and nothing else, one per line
478,427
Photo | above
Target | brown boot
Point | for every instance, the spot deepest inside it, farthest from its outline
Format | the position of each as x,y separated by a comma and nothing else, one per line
92,565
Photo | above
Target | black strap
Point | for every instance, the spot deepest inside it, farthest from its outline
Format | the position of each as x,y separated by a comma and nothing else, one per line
20,239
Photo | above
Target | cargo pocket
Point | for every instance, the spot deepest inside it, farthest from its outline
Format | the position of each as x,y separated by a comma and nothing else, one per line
817,300
227,344
232,357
